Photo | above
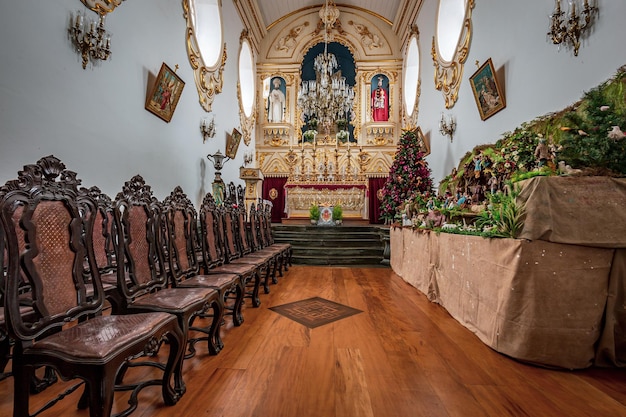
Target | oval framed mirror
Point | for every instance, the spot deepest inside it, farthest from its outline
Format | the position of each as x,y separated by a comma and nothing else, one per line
411,81
246,87
205,47
450,46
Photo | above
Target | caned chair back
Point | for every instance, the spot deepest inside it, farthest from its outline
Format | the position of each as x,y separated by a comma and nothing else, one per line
181,223
229,232
210,226
47,242
103,222
255,239
137,240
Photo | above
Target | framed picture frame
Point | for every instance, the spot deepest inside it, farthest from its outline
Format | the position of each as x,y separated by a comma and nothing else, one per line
487,91
165,93
232,143
424,142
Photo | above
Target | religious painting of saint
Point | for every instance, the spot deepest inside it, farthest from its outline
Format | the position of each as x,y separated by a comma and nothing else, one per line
276,100
380,98
165,93
487,92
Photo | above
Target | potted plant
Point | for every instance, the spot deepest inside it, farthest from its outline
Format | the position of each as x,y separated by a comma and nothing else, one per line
337,214
314,213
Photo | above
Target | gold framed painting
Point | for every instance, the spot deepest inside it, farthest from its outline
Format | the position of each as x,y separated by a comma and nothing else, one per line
487,91
232,143
424,142
165,93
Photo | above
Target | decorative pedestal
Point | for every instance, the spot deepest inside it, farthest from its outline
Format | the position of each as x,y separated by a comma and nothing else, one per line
252,177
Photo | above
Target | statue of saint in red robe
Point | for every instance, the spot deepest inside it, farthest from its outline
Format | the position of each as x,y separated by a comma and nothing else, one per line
380,103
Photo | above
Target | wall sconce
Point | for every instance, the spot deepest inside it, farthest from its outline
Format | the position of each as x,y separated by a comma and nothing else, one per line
89,38
247,158
447,127
207,129
570,31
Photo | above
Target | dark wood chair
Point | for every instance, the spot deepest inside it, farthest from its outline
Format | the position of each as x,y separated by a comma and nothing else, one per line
215,259
181,219
240,250
267,237
142,279
66,330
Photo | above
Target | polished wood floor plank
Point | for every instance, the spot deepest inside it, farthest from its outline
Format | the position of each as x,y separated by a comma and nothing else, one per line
402,356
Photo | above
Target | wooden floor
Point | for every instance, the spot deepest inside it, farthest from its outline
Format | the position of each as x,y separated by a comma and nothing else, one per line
401,357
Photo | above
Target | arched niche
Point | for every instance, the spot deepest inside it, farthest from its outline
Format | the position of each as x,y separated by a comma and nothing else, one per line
205,47
450,46
345,62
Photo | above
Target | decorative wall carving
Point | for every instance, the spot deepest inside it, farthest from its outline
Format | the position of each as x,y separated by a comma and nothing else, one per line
448,74
209,81
369,39
289,41
102,7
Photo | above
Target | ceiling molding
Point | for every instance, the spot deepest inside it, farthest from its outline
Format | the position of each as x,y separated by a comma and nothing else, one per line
250,16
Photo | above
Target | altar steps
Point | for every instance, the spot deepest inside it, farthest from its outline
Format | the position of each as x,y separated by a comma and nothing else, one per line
337,246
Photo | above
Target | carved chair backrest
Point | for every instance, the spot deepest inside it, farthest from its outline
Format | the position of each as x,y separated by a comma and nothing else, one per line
243,230
102,245
181,221
268,224
255,239
210,225
137,240
262,225
47,240
229,222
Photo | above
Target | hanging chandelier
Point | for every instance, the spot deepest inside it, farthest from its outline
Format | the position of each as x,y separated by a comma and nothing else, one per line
328,98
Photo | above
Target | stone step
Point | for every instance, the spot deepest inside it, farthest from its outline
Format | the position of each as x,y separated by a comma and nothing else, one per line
334,245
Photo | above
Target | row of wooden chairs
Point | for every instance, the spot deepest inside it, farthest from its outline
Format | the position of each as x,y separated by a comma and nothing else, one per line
160,265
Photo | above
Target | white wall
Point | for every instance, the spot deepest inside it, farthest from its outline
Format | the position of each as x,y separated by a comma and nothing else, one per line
538,77
94,120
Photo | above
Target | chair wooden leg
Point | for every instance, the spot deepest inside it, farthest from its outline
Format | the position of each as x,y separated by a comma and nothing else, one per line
215,343
22,375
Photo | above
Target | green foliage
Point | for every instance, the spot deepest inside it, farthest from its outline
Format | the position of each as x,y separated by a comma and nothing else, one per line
585,142
314,212
337,212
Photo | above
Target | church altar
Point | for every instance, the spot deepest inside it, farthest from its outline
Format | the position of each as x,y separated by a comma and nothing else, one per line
350,195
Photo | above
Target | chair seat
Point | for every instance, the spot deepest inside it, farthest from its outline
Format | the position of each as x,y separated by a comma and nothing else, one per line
96,339
234,268
175,299
213,281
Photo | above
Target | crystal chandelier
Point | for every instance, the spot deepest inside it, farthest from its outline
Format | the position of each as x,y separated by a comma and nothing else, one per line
328,98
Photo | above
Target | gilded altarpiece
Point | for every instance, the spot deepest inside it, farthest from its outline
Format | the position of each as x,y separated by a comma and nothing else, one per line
329,169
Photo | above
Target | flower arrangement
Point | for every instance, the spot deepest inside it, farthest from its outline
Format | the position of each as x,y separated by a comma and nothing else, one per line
342,124
312,124
342,135
309,135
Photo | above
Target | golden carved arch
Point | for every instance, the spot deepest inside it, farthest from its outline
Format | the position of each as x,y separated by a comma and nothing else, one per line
102,7
448,74
409,121
209,80
247,122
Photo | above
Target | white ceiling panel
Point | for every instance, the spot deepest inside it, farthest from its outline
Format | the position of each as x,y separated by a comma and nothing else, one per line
273,10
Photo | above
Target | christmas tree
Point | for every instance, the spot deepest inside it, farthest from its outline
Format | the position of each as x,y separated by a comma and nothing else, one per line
409,175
